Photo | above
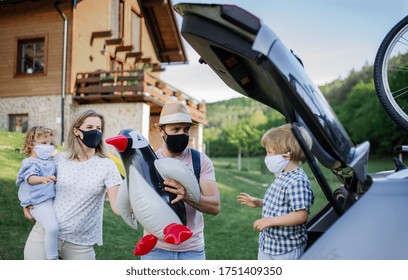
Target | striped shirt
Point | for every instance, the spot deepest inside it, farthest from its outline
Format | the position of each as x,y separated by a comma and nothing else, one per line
289,192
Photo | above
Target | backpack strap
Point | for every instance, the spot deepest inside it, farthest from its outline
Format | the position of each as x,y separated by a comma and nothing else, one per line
195,155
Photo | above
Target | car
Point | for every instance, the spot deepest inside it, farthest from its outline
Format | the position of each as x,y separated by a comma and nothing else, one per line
366,214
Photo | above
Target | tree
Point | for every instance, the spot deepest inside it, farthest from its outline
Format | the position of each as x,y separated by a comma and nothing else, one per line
364,119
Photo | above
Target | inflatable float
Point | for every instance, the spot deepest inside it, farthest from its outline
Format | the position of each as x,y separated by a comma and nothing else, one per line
141,198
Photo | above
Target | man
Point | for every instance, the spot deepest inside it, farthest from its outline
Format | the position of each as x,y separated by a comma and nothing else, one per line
174,128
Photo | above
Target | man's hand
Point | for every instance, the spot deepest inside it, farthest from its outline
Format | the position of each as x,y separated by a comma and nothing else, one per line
176,188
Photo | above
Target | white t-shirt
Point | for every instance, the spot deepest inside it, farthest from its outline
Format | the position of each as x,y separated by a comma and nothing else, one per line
80,194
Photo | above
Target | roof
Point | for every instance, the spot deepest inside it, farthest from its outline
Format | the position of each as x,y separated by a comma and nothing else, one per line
162,26
74,2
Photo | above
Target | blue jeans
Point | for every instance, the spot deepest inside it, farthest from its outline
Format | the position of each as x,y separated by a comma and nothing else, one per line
160,254
292,255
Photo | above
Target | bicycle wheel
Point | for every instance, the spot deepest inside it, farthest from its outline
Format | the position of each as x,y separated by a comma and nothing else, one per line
391,73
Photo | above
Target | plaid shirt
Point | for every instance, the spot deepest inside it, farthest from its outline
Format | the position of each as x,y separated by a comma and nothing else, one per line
289,192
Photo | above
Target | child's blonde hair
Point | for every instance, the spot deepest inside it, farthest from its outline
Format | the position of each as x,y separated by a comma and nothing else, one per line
281,140
32,135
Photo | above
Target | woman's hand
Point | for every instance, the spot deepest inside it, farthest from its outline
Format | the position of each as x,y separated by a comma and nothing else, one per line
27,213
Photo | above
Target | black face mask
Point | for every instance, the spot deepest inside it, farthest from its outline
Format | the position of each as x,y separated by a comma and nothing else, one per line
176,143
91,138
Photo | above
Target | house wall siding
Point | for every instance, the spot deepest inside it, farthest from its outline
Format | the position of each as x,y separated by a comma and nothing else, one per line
16,23
39,95
89,16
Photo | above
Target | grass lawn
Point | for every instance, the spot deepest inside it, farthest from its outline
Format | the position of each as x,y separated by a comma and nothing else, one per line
228,236
14,227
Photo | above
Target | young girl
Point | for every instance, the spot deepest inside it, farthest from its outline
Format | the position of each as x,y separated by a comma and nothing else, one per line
36,180
288,199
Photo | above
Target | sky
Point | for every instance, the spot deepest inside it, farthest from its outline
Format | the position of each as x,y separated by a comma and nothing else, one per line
332,37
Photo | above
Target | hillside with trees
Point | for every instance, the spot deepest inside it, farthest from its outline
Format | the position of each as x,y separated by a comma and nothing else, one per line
237,125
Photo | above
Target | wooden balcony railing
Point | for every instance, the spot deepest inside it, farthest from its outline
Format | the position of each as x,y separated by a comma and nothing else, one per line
131,86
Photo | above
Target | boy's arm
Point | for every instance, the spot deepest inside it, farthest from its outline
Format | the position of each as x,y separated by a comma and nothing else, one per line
258,202
251,201
292,219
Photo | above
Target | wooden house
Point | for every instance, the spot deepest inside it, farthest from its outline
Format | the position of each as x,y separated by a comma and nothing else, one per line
62,57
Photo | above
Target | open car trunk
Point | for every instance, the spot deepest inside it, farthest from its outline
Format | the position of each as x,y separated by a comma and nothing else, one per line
251,59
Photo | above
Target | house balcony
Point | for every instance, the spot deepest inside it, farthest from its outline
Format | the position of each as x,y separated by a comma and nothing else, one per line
132,86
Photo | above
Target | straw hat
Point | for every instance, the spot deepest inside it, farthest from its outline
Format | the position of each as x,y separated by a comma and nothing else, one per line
174,113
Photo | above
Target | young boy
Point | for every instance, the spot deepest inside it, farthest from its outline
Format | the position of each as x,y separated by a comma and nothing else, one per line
36,180
288,199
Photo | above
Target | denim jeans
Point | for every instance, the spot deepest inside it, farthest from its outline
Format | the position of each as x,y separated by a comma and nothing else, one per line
292,255
159,254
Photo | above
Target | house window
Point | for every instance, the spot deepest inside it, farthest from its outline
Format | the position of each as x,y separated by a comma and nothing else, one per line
18,122
136,32
117,18
30,56
121,18
116,65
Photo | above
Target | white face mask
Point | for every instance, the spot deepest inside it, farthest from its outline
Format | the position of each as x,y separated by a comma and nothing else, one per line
276,163
43,151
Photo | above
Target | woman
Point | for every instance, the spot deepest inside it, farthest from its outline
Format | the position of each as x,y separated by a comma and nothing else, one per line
84,174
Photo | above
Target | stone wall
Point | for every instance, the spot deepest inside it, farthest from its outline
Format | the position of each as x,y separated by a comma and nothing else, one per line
41,110
46,110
